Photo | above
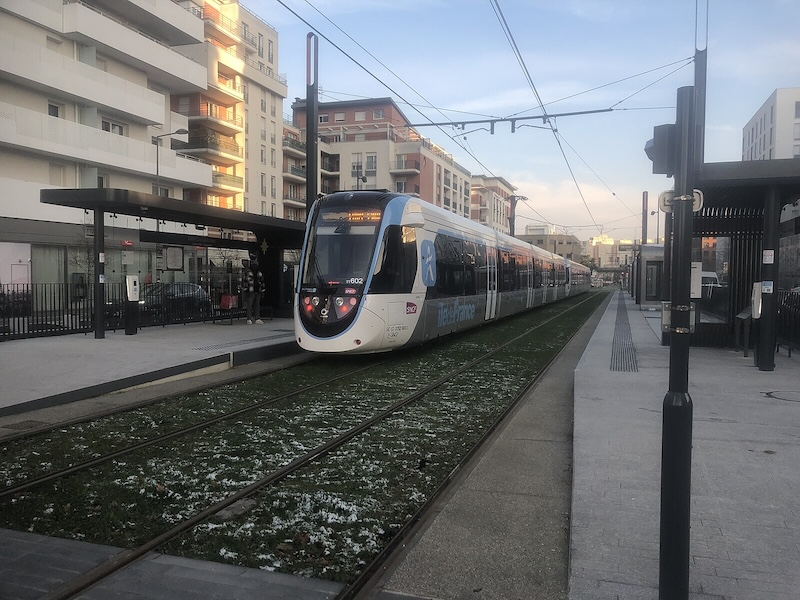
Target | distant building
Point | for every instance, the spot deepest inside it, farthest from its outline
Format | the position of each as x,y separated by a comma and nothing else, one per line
491,202
369,144
774,131
607,252
545,236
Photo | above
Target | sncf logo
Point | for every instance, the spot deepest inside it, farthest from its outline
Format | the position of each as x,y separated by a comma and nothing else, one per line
411,308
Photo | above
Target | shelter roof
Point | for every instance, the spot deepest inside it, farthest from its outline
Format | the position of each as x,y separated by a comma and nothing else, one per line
281,233
745,183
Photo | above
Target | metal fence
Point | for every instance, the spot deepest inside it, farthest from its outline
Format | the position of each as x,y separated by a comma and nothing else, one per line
45,309
788,324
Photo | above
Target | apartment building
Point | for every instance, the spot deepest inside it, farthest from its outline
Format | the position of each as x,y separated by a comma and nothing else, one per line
174,98
774,130
491,202
369,144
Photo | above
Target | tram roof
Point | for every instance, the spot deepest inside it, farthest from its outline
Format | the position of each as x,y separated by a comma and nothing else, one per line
280,232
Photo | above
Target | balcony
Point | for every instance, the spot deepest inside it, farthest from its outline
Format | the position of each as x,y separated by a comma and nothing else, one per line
72,142
221,26
294,148
294,201
295,174
216,117
214,149
329,167
226,182
261,73
163,65
404,167
172,23
65,77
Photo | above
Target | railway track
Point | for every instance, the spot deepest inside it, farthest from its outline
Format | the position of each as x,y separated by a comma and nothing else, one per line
409,442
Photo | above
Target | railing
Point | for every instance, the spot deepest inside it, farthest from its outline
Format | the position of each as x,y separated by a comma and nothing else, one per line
47,309
226,179
788,324
296,144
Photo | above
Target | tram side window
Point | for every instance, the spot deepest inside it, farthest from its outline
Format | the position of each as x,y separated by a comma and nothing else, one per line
397,262
481,272
449,267
470,268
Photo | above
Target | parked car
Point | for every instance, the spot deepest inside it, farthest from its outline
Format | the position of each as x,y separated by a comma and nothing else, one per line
180,301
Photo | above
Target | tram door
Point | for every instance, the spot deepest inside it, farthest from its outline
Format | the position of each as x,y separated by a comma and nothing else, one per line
529,282
491,285
567,275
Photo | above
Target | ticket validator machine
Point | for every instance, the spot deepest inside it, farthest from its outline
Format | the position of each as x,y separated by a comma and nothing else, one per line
131,304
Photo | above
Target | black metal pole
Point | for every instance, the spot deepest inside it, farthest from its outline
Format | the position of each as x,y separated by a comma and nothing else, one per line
99,274
767,327
676,444
312,121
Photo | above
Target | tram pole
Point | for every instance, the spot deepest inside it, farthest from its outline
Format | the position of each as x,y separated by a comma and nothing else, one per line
312,121
676,445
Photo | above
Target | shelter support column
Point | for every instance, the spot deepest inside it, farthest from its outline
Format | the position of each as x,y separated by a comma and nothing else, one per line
99,274
765,357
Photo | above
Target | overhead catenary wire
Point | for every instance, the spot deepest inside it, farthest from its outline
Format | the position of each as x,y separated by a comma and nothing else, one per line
327,39
546,117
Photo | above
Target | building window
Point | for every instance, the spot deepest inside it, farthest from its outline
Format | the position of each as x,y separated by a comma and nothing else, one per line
112,127
323,118
372,163
377,114
797,110
261,45
338,117
360,115
53,109
270,51
263,207
273,189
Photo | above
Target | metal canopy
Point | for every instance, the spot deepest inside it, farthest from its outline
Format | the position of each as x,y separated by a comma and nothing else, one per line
743,184
280,233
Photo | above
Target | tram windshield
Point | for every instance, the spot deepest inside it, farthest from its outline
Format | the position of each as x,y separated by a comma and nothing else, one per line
340,246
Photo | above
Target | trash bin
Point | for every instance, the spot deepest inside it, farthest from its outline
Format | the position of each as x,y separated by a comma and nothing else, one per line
132,304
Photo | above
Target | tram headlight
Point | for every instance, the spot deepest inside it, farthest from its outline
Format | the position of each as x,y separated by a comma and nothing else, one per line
339,301
315,300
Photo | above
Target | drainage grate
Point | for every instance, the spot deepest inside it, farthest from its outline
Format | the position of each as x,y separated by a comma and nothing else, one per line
623,353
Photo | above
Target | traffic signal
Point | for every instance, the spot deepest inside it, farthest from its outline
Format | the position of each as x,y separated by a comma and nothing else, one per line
662,149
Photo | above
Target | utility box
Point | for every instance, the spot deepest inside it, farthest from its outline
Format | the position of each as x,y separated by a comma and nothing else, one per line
132,304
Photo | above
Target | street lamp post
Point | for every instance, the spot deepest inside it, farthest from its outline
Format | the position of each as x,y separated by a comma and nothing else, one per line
658,224
158,145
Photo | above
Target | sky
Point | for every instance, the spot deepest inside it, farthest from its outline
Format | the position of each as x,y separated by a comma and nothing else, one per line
453,60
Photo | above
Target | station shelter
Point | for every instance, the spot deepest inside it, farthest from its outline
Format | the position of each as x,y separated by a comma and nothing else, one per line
273,236
737,240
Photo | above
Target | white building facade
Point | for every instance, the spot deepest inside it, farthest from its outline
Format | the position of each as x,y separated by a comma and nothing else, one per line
161,97
774,130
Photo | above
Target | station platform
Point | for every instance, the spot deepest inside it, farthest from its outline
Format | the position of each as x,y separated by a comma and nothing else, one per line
48,372
563,503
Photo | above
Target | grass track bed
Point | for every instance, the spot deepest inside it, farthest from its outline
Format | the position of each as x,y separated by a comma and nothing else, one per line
330,519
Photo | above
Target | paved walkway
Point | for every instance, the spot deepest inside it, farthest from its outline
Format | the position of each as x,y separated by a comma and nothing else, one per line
745,498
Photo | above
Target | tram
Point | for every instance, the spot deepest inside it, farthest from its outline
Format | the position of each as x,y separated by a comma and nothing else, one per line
381,271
